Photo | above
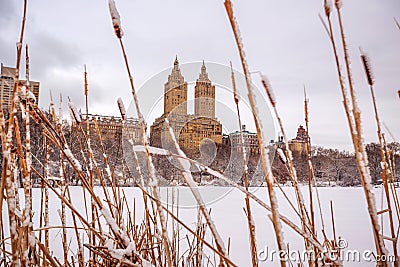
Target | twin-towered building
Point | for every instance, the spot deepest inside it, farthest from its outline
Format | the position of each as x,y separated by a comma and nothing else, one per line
190,130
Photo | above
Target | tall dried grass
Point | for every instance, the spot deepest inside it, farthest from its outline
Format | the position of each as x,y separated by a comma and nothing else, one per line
353,115
107,232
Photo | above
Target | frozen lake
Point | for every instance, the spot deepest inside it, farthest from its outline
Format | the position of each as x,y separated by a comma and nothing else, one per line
351,219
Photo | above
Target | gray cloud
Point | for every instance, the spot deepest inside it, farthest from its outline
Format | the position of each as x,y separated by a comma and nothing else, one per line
284,39
7,11
49,53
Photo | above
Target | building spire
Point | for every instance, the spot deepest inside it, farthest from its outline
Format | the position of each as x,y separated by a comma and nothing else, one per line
203,77
175,78
176,62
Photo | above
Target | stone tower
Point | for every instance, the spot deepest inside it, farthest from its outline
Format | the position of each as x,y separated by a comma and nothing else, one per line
175,92
204,94
190,130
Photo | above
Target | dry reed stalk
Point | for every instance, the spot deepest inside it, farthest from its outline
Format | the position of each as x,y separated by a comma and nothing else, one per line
28,153
338,5
6,148
199,246
16,74
47,255
312,179
46,148
333,223
65,188
63,215
250,222
62,212
57,142
154,182
92,240
398,26
391,160
310,172
64,182
354,122
59,131
3,144
41,213
2,181
194,233
384,162
74,213
27,222
117,231
284,194
26,214
305,219
177,215
329,31
141,182
220,176
108,169
69,204
264,158
287,157
11,203
186,174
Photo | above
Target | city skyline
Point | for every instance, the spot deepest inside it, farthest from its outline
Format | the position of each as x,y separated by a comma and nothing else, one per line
284,40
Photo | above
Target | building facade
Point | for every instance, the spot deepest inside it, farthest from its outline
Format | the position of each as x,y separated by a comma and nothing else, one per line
113,128
250,141
300,142
190,130
7,82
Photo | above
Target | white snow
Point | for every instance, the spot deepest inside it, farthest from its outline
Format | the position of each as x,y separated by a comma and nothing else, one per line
226,206
120,253
108,172
113,225
23,91
32,239
74,160
153,150
116,20
31,97
328,6
382,165
281,155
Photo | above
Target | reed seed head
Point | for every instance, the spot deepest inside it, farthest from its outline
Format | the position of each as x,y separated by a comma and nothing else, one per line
121,108
367,68
327,7
116,20
74,113
268,89
86,91
338,4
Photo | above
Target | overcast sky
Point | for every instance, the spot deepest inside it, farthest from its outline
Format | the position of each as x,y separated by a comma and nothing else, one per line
283,39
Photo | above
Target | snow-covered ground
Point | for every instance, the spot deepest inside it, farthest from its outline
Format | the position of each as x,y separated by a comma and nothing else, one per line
351,220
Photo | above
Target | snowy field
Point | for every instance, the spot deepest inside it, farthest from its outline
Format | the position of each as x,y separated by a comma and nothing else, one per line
351,220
